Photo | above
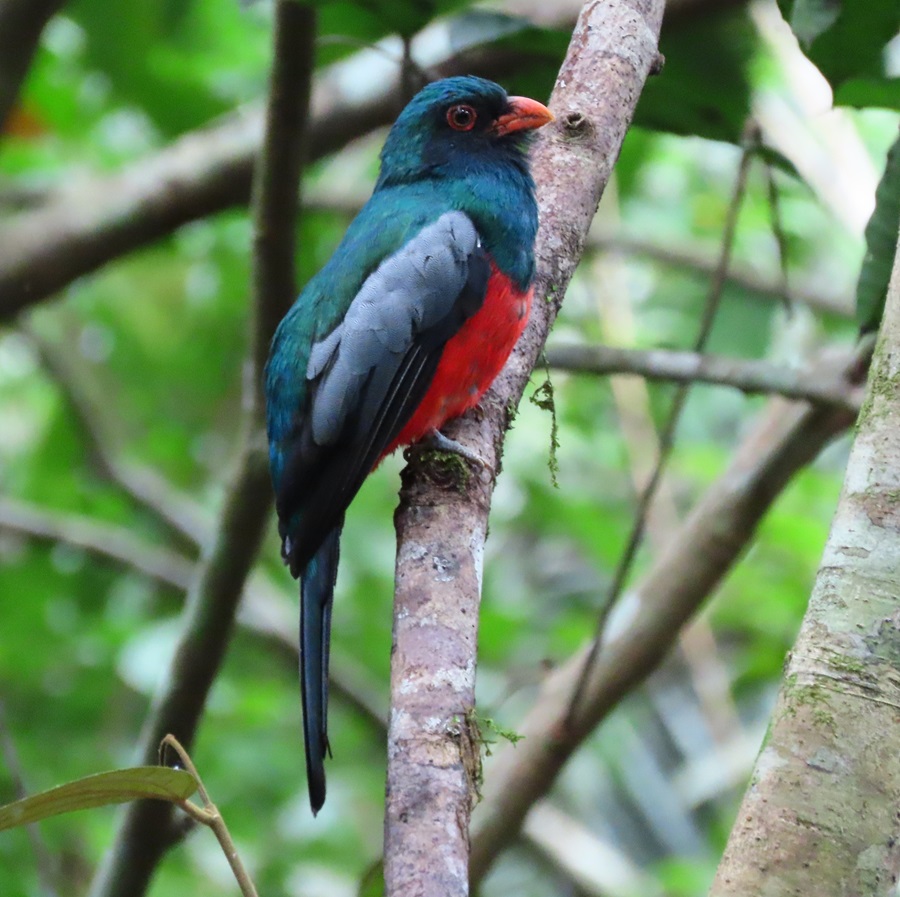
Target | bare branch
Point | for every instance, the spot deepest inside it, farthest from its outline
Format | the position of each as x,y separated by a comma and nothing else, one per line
276,181
209,615
103,540
645,626
748,375
442,520
21,24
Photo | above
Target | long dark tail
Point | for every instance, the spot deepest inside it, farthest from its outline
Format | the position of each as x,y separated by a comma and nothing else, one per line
316,594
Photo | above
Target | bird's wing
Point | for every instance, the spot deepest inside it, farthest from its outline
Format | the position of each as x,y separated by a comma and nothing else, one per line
369,374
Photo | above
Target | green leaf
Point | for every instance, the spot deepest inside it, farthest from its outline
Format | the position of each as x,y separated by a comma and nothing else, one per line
100,790
372,883
881,245
864,93
773,157
703,88
844,39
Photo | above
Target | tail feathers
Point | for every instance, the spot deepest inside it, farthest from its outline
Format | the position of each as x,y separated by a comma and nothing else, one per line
316,594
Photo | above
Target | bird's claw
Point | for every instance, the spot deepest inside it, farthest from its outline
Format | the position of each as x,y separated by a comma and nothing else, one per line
438,441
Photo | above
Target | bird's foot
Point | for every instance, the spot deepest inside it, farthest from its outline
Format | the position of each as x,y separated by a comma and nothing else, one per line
438,441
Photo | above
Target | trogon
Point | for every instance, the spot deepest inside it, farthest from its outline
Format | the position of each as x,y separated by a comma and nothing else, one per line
405,327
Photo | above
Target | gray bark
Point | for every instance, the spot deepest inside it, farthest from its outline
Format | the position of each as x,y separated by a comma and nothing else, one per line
822,813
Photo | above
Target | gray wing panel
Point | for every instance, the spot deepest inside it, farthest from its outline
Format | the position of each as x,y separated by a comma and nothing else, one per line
412,293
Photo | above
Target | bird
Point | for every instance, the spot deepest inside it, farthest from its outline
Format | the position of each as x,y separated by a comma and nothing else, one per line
404,328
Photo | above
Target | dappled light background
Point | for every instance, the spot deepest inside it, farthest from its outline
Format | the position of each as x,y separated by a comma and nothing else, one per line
120,402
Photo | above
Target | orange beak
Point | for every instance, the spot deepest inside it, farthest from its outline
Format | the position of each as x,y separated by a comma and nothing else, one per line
524,114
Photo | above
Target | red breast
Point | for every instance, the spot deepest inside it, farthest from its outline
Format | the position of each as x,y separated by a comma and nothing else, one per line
472,359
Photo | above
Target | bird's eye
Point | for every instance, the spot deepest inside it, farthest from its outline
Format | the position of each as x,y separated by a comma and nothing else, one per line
461,117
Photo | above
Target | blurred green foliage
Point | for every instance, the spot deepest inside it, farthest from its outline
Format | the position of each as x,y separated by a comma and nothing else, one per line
155,343
847,40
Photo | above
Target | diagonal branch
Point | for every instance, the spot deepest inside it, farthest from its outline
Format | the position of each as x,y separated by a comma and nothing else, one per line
92,222
442,521
110,542
645,626
145,832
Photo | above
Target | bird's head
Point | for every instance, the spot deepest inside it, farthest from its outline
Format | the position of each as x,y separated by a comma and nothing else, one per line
455,127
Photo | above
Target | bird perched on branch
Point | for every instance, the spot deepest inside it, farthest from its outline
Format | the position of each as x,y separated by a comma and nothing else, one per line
404,328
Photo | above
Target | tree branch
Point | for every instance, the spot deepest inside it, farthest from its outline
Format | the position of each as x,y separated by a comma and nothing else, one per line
646,624
826,786
209,615
442,519
21,24
110,542
748,375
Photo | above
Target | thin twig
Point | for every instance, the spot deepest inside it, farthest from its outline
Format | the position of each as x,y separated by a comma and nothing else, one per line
46,867
667,435
210,816
778,231
750,376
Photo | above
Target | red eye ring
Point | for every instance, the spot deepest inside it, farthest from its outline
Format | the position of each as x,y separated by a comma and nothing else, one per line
461,117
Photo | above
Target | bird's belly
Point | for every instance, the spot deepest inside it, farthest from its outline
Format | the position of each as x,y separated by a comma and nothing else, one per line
471,360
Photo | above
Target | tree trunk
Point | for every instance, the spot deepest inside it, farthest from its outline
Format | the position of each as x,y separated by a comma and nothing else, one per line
822,813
